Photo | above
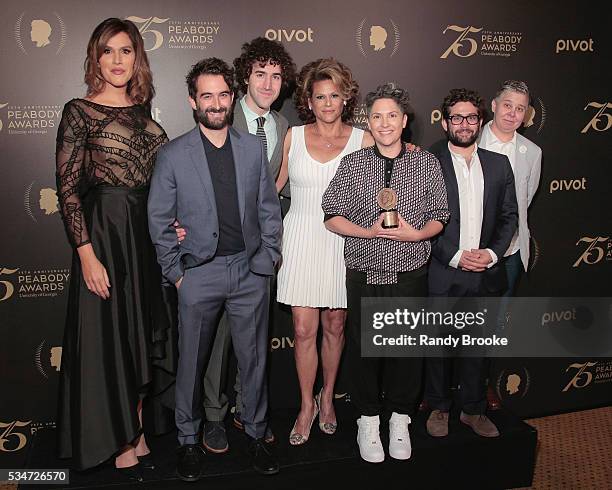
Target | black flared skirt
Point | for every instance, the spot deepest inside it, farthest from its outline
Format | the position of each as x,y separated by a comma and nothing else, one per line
119,350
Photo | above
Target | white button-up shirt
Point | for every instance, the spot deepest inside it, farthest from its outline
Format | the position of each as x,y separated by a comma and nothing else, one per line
470,183
490,142
269,125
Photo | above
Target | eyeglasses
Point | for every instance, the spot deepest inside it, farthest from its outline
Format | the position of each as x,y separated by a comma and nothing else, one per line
457,119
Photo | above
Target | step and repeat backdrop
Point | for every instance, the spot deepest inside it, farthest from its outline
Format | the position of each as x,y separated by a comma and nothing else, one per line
562,51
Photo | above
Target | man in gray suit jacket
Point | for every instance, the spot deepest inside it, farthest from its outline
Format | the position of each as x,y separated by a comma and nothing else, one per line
510,107
263,69
215,181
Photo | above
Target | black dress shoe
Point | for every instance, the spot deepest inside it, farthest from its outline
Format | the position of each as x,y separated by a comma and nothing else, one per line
147,461
131,472
190,461
262,459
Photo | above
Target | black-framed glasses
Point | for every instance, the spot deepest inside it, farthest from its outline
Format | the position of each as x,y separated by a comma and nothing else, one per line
457,119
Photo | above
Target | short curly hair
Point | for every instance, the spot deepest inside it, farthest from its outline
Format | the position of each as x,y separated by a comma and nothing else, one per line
462,95
209,66
261,50
325,69
391,91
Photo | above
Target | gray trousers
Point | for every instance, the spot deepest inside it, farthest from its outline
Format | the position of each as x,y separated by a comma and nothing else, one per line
215,399
224,283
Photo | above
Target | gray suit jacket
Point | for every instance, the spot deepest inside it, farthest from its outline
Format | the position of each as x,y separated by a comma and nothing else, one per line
527,169
181,188
282,125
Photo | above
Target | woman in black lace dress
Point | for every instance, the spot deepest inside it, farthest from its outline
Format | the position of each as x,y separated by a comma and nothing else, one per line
116,322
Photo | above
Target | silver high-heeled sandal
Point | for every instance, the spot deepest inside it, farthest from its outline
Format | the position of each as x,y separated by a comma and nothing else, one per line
297,439
326,427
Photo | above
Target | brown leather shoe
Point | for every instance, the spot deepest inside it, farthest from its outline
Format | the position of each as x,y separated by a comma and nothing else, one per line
481,424
437,424
493,401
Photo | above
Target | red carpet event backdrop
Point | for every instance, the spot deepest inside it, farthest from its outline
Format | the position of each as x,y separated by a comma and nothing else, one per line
562,50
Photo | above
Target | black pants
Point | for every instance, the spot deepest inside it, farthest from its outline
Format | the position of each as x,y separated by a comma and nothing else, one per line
470,371
381,383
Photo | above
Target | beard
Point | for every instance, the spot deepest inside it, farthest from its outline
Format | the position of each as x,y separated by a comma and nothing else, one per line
461,141
203,117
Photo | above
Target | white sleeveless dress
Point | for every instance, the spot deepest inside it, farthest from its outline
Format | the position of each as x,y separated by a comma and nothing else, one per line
312,272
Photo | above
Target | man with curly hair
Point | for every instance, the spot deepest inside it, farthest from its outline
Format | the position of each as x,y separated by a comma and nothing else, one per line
262,71
466,256
215,181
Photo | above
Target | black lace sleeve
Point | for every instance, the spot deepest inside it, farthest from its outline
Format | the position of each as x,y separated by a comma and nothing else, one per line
70,155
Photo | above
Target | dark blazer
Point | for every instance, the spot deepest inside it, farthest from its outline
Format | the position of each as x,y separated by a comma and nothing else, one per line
181,188
499,222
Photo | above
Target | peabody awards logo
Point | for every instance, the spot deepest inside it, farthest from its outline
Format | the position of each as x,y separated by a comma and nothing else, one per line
598,249
30,119
34,33
535,253
6,286
535,116
39,202
176,34
13,437
377,39
513,383
492,43
360,116
601,121
588,373
48,359
39,283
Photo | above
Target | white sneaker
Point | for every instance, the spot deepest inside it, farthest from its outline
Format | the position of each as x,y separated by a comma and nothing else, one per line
368,439
399,438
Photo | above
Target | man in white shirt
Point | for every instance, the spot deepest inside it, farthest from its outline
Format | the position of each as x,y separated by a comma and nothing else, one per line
465,256
499,135
509,109
263,69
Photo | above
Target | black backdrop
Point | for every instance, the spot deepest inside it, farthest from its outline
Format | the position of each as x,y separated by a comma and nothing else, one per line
562,50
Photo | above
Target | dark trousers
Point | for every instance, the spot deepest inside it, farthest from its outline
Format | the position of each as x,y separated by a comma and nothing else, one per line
514,271
470,371
225,282
381,383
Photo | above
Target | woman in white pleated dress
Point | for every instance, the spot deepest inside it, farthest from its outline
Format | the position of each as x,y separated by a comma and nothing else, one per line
311,277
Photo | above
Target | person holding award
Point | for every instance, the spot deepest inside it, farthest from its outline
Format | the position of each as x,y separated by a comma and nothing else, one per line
388,202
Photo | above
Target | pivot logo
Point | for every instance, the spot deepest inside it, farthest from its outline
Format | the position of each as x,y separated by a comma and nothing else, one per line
289,35
599,117
281,343
567,185
597,248
570,45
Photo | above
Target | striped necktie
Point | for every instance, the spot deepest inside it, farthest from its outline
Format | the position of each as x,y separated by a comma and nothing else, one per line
261,133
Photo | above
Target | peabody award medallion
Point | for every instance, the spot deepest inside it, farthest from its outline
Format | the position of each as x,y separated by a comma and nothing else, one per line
387,200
